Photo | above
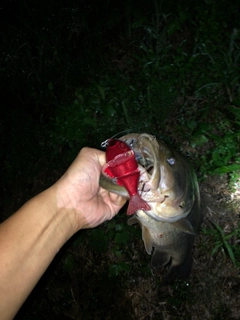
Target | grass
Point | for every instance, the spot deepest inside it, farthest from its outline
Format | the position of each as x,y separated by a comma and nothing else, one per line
224,242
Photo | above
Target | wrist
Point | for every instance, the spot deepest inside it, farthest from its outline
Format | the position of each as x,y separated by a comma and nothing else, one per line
63,213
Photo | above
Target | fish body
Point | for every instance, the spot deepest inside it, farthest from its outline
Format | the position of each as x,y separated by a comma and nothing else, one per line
122,166
169,185
168,244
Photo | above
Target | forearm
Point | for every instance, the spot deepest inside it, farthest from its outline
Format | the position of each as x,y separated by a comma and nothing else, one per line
29,240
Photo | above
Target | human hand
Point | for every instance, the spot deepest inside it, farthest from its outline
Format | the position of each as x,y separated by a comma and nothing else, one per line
78,191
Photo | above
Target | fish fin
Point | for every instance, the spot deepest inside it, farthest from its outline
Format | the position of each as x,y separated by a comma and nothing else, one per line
148,243
133,220
185,226
160,259
179,270
147,239
137,203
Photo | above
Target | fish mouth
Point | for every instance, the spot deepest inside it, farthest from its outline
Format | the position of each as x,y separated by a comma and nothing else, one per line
164,206
146,150
156,183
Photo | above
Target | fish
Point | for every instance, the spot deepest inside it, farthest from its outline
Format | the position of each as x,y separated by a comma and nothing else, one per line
169,185
123,167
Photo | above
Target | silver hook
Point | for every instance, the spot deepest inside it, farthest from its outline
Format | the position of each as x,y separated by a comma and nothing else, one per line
104,144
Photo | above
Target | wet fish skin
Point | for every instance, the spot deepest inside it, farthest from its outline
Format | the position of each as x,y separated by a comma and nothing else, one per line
170,245
169,228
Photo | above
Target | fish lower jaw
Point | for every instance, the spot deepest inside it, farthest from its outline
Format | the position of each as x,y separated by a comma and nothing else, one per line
153,196
163,216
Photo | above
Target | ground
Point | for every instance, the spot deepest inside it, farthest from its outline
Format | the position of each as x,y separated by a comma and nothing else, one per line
83,283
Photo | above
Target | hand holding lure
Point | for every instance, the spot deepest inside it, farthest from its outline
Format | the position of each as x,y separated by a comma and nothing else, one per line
122,166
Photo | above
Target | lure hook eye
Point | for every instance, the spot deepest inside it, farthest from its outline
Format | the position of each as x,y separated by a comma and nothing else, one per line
104,144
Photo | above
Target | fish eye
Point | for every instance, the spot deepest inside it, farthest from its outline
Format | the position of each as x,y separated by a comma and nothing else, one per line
171,161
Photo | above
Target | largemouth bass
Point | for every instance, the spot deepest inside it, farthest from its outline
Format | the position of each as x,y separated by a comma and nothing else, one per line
169,185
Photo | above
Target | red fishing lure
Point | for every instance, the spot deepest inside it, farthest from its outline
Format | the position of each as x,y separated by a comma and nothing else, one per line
122,165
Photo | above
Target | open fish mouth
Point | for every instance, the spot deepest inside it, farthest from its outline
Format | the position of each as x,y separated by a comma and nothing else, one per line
161,179
157,182
146,150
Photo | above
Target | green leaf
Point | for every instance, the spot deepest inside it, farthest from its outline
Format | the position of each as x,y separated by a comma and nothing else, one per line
98,240
90,121
120,226
111,224
230,252
101,91
50,85
108,110
236,102
215,249
199,140
116,269
191,124
122,237
227,169
69,263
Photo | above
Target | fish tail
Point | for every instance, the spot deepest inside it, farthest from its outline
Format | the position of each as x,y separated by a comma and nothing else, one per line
137,203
